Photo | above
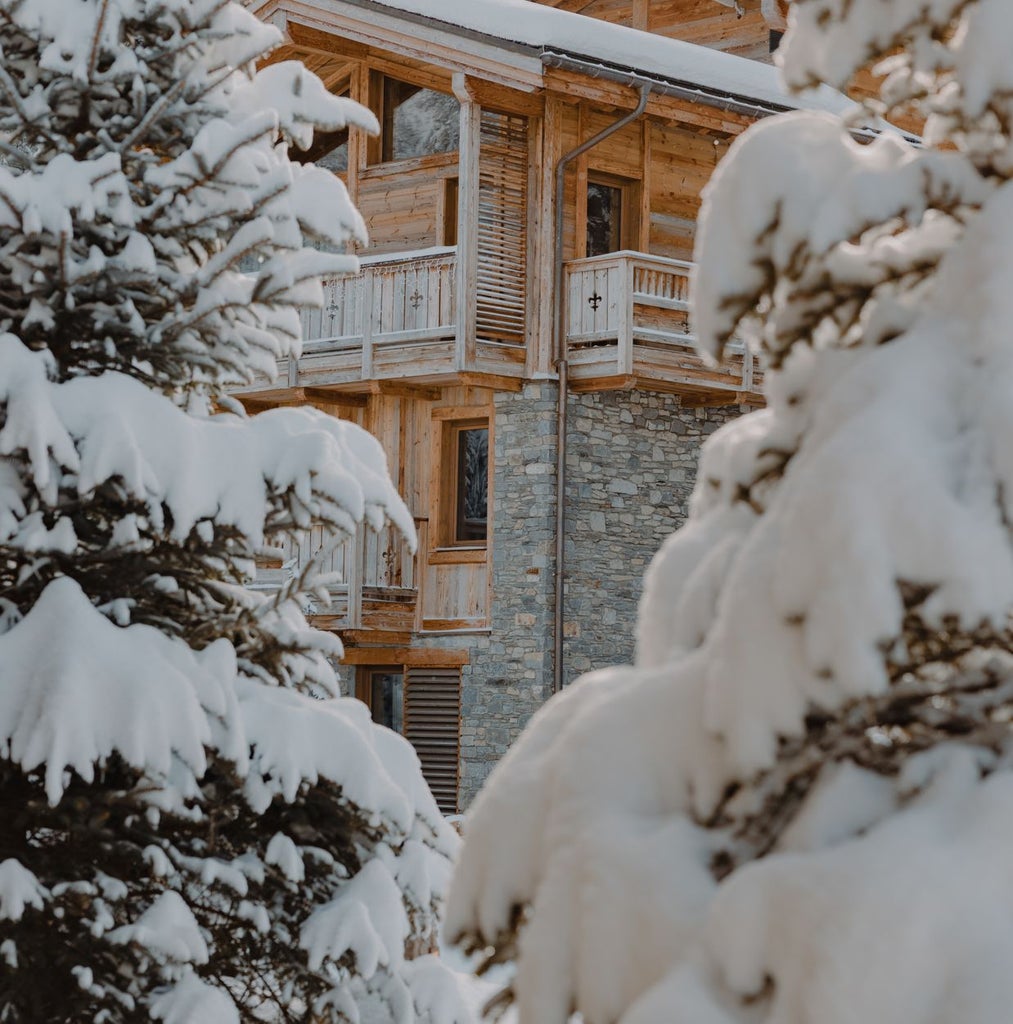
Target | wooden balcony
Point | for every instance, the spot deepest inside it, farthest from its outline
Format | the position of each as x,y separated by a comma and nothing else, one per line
373,580
627,324
397,319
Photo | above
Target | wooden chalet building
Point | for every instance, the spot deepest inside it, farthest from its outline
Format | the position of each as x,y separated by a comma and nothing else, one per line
531,201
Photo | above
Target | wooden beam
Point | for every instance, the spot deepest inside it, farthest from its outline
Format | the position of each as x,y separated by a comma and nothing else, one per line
343,398
616,96
716,399
467,224
315,40
410,657
496,381
422,40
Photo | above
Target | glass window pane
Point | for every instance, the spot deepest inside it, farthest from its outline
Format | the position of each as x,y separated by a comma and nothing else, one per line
418,122
335,159
387,699
604,213
472,483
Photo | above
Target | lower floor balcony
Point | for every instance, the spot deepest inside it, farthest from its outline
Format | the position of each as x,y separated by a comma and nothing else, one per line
371,580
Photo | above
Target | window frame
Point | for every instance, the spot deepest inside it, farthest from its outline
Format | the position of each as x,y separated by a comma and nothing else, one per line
449,425
629,208
364,681
379,147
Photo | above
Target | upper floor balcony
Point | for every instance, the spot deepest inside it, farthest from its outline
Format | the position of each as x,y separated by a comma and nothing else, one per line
627,318
398,319
626,323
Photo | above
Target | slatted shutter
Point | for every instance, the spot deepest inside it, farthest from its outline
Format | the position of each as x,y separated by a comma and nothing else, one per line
502,226
432,710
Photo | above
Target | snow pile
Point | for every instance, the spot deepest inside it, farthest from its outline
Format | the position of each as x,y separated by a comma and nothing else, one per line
796,806
550,30
196,829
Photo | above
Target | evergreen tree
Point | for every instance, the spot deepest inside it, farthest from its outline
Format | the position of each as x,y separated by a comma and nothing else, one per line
196,828
797,807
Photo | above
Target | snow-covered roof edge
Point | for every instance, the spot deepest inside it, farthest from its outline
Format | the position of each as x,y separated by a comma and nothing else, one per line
708,75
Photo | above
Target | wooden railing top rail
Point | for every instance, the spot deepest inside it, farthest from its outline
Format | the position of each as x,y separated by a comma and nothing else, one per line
414,256
662,262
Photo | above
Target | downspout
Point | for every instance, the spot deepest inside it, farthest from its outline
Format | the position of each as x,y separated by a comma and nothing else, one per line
562,365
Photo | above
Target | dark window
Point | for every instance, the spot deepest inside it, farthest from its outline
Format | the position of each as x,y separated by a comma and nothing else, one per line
383,690
472,484
329,149
417,121
604,218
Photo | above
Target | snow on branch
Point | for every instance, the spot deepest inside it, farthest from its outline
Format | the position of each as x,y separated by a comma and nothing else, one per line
795,806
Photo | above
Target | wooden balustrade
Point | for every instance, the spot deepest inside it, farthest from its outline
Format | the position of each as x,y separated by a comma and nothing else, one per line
627,316
374,580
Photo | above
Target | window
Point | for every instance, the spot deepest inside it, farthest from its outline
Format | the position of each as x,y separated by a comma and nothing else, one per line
424,705
611,214
416,121
465,506
383,690
450,194
604,218
329,150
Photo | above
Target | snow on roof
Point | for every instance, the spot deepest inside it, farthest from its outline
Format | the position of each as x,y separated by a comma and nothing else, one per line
554,31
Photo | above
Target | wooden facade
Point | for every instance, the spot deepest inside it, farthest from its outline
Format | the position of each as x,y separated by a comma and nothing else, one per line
455,301
741,27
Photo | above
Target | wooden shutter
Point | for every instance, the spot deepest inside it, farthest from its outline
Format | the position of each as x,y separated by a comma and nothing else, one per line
502,226
432,724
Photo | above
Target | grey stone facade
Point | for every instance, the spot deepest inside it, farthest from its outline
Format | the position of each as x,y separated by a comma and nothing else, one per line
631,464
511,675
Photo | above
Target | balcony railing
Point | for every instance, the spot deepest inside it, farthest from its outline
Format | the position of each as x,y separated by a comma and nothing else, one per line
395,318
627,315
375,580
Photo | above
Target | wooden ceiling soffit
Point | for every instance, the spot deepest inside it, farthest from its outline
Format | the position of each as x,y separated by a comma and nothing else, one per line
624,97
353,392
691,393
718,399
574,6
416,38
413,657
316,40
345,399
495,381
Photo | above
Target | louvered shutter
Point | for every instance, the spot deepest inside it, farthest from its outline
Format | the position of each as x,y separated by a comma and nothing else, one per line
502,226
432,724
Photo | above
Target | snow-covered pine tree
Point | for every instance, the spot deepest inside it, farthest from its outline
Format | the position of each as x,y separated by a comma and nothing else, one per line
798,805
195,828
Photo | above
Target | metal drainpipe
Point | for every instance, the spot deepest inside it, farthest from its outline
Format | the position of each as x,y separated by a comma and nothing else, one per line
562,366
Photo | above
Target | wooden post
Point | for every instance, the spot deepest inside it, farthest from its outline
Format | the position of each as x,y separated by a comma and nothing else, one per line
354,579
625,342
419,568
366,312
540,348
467,225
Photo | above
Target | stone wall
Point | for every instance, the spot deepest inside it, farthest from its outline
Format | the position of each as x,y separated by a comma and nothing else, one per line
511,673
631,467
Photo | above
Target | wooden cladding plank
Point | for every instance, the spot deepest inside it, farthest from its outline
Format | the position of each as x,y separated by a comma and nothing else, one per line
502,226
432,724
